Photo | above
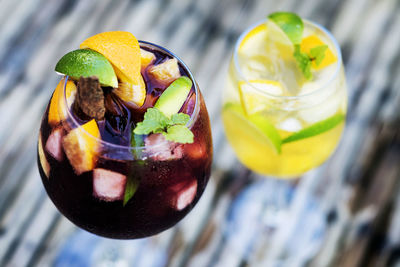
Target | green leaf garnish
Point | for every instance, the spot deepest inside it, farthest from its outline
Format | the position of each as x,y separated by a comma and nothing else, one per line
290,23
303,62
180,118
156,122
131,187
318,53
315,129
179,133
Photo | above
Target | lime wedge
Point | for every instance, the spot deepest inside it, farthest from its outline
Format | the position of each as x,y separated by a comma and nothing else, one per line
254,126
290,23
315,129
172,99
86,63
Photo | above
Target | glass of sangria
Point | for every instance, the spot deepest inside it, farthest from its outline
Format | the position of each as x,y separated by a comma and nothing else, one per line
125,145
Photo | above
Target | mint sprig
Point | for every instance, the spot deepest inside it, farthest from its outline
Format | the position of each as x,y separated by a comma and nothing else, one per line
304,60
292,25
131,187
174,128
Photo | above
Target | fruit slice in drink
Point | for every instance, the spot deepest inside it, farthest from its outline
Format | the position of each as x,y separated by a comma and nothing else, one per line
81,146
123,51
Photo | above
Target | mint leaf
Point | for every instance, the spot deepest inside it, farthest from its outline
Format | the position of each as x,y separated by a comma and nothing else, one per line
318,53
180,118
179,134
303,62
154,121
131,187
315,129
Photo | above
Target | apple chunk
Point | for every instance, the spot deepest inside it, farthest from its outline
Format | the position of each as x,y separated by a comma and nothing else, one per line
108,185
54,144
165,72
183,194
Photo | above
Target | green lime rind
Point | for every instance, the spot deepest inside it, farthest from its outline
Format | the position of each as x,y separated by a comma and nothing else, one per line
268,129
259,124
172,99
290,23
315,129
86,63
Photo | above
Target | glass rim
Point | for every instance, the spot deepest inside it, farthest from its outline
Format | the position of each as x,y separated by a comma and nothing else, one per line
189,124
324,86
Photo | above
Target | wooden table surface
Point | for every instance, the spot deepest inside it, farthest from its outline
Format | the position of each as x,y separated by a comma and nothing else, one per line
345,213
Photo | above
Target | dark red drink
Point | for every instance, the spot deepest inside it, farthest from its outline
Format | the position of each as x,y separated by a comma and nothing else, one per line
119,184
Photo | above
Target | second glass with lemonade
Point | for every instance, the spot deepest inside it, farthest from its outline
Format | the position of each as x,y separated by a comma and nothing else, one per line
285,100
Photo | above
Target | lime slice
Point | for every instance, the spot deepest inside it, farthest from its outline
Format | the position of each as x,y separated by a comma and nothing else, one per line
315,129
290,23
86,63
254,101
254,126
172,99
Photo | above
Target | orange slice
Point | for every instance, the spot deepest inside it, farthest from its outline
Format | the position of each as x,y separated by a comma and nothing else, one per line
165,72
81,145
312,41
57,109
42,157
123,51
146,58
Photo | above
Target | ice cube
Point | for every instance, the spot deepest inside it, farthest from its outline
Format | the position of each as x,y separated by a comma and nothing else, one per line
322,102
290,125
166,72
189,105
158,148
183,194
108,185
54,144
319,79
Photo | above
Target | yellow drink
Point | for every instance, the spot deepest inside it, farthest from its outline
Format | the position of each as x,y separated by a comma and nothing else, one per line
278,122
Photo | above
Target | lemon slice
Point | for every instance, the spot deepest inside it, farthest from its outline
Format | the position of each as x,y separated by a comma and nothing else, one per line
255,41
252,97
313,41
254,127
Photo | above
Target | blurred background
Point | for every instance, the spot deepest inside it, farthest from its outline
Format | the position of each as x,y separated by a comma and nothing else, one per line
354,222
